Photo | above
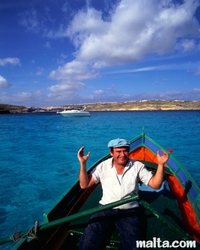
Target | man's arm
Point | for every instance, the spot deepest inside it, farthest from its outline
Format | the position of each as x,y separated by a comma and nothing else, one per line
156,181
85,180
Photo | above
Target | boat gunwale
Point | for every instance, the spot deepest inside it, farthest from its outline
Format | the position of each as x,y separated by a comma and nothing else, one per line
142,136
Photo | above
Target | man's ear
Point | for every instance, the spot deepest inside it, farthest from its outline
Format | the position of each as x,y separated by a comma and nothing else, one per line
111,153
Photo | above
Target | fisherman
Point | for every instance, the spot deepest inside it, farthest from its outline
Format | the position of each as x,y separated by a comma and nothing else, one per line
119,177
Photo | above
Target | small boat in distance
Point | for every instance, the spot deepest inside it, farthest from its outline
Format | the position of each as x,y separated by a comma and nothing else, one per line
74,113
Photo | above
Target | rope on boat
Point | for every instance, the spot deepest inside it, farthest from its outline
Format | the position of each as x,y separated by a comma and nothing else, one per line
31,234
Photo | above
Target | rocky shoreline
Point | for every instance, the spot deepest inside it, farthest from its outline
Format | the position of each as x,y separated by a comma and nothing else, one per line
144,105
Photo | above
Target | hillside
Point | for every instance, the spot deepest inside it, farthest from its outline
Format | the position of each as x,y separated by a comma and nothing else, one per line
144,105
109,106
9,109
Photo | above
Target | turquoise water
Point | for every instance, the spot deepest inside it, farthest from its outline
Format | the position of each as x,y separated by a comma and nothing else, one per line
38,159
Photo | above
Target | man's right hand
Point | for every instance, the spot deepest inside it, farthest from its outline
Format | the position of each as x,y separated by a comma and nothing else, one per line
81,157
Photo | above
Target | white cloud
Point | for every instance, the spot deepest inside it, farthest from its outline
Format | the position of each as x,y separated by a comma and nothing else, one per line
63,56
23,95
29,19
65,92
131,33
125,71
23,98
75,70
126,37
47,45
4,84
180,66
40,71
62,59
189,95
65,7
129,36
187,45
198,71
99,92
9,60
67,87
35,82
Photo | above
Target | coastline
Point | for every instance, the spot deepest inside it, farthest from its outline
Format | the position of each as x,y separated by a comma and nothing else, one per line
144,105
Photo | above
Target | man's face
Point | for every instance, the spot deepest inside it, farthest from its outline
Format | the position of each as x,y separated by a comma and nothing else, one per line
120,155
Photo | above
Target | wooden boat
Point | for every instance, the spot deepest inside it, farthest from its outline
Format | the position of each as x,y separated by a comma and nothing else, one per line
172,213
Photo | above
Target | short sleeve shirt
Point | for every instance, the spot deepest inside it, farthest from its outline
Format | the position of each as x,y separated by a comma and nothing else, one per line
115,188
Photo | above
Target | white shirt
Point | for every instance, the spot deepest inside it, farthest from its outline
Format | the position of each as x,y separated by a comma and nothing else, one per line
115,189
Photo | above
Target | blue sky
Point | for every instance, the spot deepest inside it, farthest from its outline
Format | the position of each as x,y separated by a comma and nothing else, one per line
61,52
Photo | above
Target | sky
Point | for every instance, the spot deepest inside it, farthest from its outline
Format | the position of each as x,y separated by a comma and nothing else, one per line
54,53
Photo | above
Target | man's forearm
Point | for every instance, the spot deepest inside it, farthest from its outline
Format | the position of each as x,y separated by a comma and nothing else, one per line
157,179
83,176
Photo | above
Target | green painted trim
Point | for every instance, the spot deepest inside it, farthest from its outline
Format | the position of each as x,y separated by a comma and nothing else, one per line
164,220
73,217
194,202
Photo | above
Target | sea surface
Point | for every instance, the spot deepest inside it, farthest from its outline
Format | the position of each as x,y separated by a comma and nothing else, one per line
38,154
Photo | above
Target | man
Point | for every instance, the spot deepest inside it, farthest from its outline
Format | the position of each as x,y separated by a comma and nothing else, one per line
119,177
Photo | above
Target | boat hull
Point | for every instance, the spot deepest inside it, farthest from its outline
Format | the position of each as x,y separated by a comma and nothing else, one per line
81,114
74,113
